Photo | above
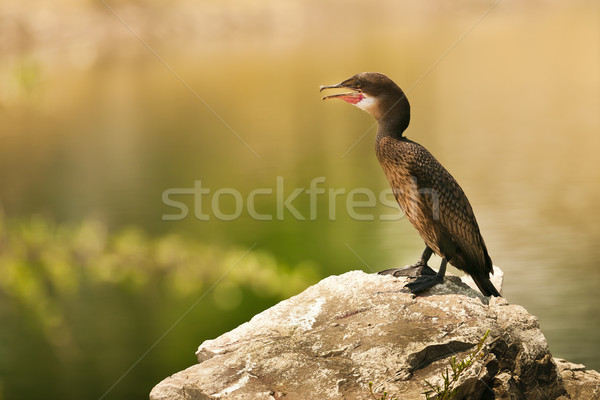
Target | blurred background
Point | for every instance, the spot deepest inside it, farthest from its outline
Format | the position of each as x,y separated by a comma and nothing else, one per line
105,105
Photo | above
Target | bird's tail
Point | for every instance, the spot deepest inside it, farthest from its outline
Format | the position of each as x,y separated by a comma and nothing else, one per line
485,285
482,277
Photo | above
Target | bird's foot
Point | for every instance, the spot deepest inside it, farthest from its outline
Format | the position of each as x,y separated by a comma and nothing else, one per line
423,283
414,271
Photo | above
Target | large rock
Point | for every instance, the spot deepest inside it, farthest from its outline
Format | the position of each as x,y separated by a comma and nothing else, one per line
334,338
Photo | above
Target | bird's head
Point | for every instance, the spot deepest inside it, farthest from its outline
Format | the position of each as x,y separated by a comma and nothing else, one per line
376,94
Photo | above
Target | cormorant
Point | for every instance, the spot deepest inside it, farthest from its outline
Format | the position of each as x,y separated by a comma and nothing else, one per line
430,197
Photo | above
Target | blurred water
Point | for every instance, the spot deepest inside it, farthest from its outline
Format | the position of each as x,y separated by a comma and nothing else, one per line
93,124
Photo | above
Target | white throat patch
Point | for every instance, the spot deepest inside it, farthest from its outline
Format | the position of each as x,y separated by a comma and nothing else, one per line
366,103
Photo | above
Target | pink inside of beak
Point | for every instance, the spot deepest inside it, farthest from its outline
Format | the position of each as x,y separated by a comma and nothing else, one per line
351,98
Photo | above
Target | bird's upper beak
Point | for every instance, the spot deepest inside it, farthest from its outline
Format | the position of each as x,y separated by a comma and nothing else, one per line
351,97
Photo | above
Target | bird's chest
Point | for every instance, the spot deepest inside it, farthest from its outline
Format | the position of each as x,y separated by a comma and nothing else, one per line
398,164
404,185
413,199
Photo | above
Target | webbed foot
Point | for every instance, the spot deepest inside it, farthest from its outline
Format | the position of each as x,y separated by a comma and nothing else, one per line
426,277
423,283
414,271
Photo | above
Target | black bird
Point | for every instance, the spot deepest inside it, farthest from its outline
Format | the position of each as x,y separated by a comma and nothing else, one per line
430,197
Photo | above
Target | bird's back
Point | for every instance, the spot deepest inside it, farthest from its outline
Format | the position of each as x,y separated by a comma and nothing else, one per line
435,204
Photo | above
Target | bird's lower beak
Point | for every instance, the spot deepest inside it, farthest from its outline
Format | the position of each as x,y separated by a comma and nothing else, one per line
351,97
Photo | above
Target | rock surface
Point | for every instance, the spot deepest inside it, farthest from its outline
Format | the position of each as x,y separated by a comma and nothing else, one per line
579,382
334,338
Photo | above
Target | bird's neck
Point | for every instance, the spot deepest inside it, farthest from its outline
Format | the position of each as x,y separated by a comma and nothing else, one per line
392,127
393,118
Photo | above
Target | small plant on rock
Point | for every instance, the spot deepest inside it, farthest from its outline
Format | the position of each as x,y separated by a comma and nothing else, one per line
451,377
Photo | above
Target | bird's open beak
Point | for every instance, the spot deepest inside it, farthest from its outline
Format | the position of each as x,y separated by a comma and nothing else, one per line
351,97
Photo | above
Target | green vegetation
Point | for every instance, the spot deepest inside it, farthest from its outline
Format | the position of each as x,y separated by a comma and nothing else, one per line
83,304
43,263
449,389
